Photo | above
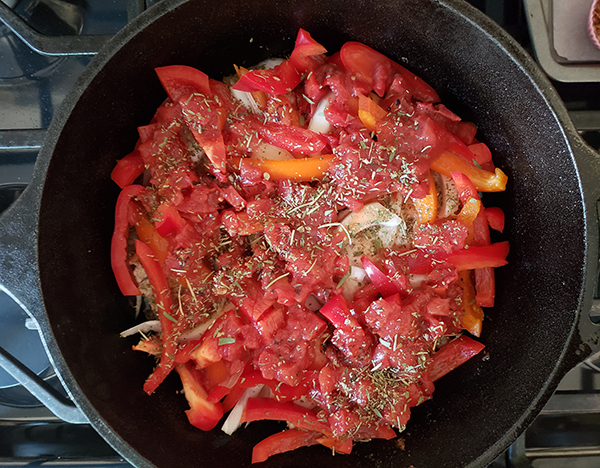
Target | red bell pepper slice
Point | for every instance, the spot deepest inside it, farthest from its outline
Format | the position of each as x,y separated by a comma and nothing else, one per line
168,220
485,285
340,445
128,169
202,414
337,311
281,442
180,81
464,186
258,409
382,282
118,248
160,286
495,218
493,255
232,398
452,355
279,80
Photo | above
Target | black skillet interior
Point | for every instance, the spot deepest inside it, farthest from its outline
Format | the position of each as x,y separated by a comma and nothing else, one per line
479,409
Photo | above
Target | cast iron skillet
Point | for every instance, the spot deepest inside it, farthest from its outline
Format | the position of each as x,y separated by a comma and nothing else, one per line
55,239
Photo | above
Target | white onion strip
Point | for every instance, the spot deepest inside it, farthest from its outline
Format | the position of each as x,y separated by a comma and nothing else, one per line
234,420
144,327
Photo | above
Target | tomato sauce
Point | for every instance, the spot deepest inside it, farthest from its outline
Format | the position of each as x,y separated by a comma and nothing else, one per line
288,231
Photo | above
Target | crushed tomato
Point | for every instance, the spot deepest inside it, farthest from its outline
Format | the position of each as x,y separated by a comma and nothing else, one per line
312,230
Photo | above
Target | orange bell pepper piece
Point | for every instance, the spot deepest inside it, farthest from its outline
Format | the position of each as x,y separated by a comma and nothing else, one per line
148,235
369,112
427,206
467,215
484,181
472,319
298,170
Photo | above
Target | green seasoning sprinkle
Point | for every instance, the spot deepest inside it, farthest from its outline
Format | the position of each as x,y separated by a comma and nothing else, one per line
224,341
343,280
169,317
275,280
477,164
310,101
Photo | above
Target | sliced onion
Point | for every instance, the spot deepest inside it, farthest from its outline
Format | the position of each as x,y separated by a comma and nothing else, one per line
450,204
319,123
197,332
269,151
416,280
234,420
372,214
269,63
144,327
354,282
247,99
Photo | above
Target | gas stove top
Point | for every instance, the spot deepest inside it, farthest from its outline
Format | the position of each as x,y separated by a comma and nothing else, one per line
44,47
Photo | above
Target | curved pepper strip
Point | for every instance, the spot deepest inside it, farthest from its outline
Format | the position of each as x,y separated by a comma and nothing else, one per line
284,441
118,247
453,355
472,318
484,181
258,409
164,304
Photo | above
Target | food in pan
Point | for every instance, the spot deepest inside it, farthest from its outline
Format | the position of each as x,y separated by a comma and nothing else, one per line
310,243
594,23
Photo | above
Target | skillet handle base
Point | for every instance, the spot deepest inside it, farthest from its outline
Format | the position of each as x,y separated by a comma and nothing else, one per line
60,406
